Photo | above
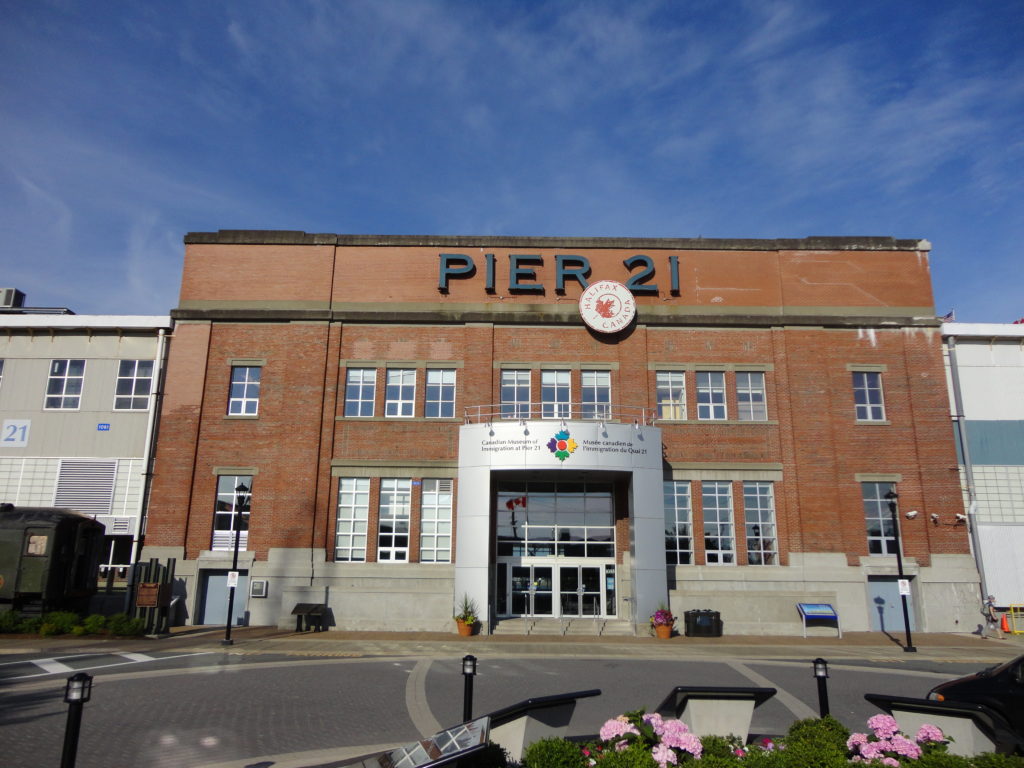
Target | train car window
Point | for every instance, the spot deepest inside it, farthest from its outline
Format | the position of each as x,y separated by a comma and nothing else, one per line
36,544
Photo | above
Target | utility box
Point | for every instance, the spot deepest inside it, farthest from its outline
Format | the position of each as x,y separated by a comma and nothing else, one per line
702,623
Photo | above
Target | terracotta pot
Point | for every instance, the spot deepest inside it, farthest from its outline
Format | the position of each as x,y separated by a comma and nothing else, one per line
464,629
663,631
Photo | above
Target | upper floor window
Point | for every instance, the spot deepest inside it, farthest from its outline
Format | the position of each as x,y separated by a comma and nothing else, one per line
360,391
750,399
678,523
878,518
134,384
867,396
759,513
400,392
671,393
596,394
245,390
393,526
436,521
554,394
231,511
515,394
440,400
711,395
716,506
64,386
353,518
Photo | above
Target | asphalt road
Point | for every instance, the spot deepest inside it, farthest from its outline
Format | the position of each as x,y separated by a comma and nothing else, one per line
230,709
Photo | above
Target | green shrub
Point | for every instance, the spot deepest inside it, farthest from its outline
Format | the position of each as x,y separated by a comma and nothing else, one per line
719,746
993,760
79,631
9,622
826,732
636,755
30,625
62,621
94,624
48,629
554,753
124,626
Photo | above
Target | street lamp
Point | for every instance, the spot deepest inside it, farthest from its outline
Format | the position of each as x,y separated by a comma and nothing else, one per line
241,503
891,497
77,691
821,675
468,672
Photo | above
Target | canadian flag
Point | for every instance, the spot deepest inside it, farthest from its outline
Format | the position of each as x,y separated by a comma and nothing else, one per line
517,502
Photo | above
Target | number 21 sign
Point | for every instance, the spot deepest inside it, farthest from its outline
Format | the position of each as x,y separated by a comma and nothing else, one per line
15,433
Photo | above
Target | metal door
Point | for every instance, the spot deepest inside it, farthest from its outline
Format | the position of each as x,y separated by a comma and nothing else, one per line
214,608
530,590
579,588
885,607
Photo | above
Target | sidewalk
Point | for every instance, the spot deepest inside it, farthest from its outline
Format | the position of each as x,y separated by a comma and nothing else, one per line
876,646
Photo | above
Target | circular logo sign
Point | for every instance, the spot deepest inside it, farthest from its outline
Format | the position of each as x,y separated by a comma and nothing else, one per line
607,306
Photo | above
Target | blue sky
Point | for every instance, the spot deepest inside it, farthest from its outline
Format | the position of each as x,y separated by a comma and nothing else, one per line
125,125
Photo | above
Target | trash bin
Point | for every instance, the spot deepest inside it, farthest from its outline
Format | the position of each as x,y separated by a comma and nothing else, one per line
702,623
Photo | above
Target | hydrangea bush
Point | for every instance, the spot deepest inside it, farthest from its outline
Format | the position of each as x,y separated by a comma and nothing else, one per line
886,745
669,741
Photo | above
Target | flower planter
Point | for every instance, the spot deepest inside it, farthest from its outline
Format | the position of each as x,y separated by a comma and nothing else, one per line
465,629
663,631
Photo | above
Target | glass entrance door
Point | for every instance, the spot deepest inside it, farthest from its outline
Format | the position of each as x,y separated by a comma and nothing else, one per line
579,590
530,590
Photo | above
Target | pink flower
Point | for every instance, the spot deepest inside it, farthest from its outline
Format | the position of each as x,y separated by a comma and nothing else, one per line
884,726
856,740
654,720
689,742
672,731
901,745
613,729
663,755
892,762
928,733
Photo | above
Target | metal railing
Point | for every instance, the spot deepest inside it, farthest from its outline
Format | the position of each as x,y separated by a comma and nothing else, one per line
541,411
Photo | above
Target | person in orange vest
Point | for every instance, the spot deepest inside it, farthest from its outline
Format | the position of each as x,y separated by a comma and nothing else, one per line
992,626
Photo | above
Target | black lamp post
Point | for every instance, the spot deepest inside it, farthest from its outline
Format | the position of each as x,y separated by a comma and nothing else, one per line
241,502
821,675
468,673
891,497
77,691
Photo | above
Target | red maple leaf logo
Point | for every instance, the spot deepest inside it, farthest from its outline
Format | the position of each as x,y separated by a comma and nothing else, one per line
604,307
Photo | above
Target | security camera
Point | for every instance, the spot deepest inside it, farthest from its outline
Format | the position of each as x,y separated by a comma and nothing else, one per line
961,517
911,514
935,518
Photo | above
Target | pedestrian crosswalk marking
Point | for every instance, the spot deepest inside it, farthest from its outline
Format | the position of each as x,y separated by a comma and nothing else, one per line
136,656
52,665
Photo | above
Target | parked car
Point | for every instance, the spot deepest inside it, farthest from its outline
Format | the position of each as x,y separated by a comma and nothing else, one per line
1000,688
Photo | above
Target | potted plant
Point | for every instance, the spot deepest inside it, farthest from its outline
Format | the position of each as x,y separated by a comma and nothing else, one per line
465,617
662,621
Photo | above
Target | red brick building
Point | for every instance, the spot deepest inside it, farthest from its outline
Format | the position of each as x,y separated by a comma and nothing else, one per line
396,422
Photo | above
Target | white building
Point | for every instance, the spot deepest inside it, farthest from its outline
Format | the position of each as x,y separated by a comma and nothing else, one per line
78,397
985,363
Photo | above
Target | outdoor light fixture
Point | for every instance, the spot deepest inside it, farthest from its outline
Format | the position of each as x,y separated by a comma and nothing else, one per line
468,673
77,691
821,675
891,496
911,514
241,502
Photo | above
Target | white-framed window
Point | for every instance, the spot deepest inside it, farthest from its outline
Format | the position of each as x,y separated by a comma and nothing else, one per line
759,516
678,523
515,394
878,518
64,385
751,404
716,509
596,394
231,512
554,394
245,390
134,385
711,395
360,391
393,524
400,393
440,396
867,396
436,521
353,517
671,394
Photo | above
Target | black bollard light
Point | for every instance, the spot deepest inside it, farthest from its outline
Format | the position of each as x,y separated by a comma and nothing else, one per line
77,691
468,673
821,675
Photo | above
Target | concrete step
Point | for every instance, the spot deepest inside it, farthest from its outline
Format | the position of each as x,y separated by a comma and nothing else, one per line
567,627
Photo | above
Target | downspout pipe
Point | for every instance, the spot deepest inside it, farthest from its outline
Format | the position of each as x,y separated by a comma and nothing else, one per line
149,447
965,451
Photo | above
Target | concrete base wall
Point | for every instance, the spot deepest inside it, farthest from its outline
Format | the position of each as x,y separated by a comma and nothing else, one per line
754,600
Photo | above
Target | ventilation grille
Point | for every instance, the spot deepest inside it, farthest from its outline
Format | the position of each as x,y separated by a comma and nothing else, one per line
86,486
444,486
11,298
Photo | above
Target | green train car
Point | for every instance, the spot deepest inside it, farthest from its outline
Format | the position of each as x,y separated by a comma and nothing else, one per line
49,559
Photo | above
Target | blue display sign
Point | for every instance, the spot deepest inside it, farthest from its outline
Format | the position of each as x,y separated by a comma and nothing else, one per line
102,427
